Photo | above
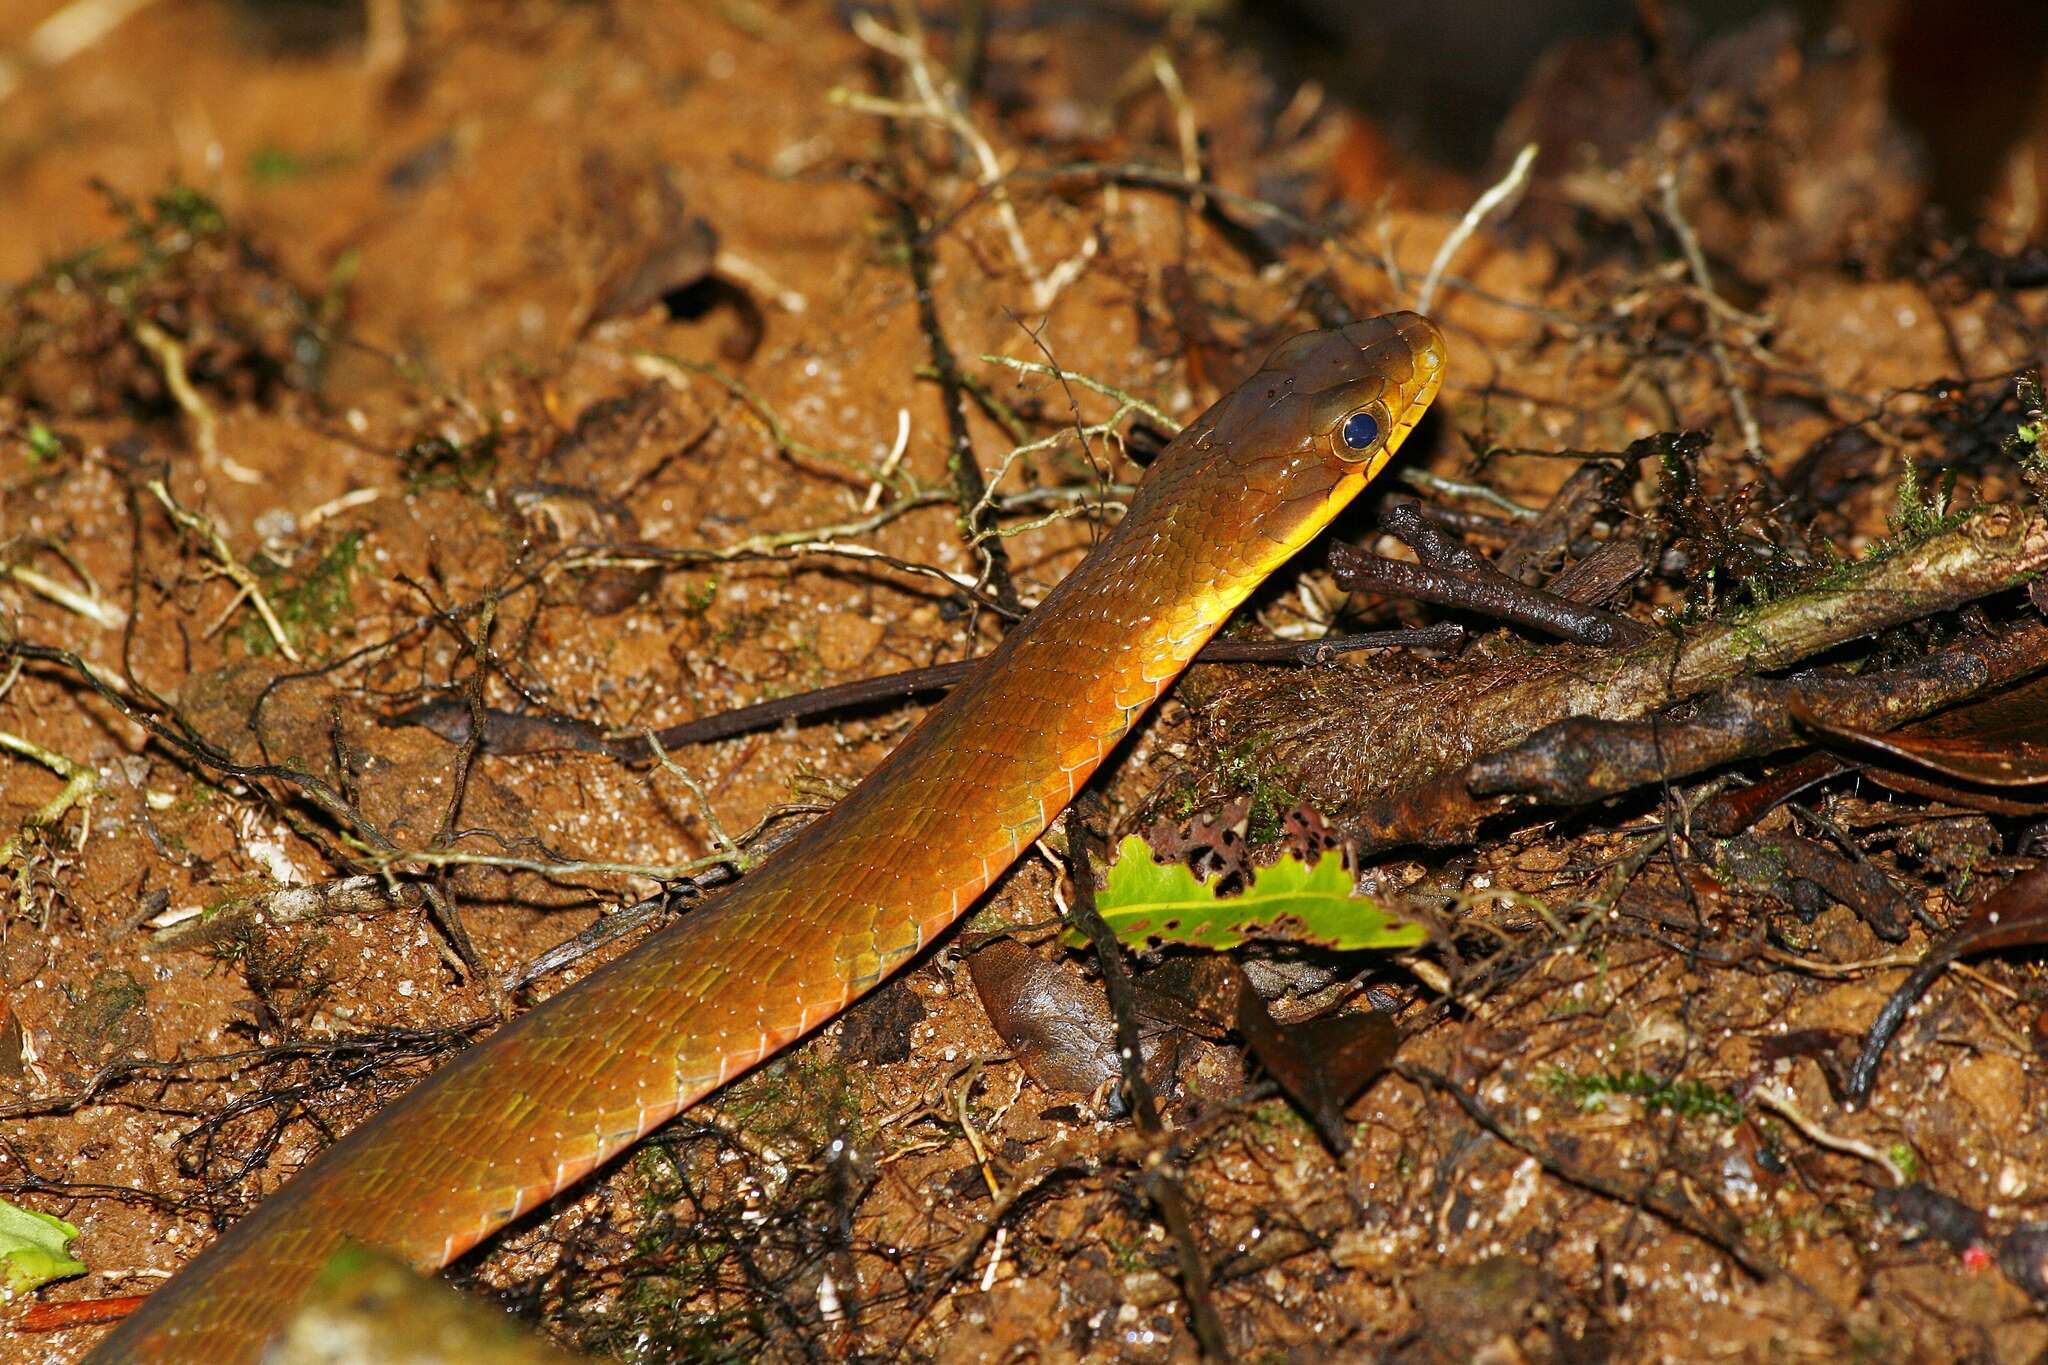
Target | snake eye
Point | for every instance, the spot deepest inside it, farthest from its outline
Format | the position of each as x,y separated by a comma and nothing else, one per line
1361,429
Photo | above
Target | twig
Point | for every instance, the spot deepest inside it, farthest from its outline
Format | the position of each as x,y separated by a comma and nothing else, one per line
1151,177
394,859
757,278
280,906
757,844
2009,917
204,527
80,782
938,101
1703,280
969,488
1585,759
1087,509
1782,1104
170,357
442,896
86,604
1501,192
511,732
889,462
1489,593
1646,1197
1423,732
781,545
1161,1183
1186,133
1171,427
721,842
670,369
1424,481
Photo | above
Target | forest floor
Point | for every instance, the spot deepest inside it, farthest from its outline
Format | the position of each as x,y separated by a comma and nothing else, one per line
568,361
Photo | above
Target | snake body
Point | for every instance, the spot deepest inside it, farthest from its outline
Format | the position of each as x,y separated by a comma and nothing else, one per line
559,1091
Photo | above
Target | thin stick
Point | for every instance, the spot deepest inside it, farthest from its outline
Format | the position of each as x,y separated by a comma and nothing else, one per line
1427,482
1106,390
1162,1183
508,732
79,784
88,605
233,568
1494,595
170,357
938,101
1781,1104
1696,262
1503,191
889,461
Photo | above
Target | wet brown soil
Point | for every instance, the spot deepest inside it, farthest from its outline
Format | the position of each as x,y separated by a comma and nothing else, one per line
584,340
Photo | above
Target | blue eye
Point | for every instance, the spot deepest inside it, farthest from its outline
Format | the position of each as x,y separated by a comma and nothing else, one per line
1360,430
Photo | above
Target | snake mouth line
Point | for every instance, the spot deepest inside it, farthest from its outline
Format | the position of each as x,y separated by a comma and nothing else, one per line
1418,404
1426,376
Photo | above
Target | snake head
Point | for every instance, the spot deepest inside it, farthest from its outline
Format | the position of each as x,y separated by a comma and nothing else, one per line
1321,417
1348,394
1254,478
1355,392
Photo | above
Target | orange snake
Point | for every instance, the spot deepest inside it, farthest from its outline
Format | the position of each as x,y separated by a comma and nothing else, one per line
568,1085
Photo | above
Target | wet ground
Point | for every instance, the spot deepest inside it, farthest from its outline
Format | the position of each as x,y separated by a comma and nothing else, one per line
345,347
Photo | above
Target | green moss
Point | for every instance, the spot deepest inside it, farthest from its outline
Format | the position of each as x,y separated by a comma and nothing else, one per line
1868,1341
805,1098
179,209
1126,1257
272,164
1918,516
158,234
311,603
1244,770
106,1019
2028,443
1687,1099
1761,866
698,597
741,626
44,445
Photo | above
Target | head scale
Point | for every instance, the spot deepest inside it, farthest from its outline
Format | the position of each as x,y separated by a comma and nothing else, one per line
1284,451
1257,476
1357,391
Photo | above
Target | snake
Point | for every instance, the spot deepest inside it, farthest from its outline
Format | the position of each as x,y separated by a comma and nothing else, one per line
566,1086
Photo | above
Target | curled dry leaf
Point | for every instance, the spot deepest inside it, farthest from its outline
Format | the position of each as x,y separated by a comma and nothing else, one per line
1058,1025
2001,741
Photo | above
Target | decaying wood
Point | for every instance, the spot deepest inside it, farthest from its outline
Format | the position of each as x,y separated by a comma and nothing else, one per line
1355,745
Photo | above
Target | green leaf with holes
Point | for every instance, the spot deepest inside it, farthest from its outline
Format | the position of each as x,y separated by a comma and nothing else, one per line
35,1248
1297,902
